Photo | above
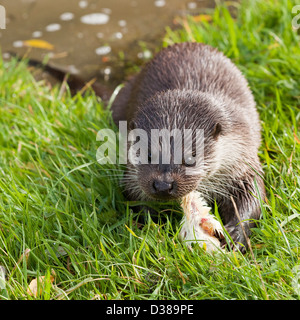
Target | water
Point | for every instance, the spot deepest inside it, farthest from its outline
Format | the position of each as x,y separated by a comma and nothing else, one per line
86,36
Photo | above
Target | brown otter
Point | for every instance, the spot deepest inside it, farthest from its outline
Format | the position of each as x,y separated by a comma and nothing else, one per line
192,85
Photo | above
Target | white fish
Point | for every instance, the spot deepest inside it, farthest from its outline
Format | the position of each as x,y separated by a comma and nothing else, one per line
198,225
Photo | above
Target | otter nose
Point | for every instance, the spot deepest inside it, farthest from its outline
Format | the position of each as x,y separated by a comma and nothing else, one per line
163,187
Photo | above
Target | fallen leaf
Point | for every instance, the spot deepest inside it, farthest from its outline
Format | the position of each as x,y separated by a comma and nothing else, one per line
37,285
105,59
41,44
202,17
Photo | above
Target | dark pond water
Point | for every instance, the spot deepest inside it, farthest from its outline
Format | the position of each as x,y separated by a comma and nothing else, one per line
88,37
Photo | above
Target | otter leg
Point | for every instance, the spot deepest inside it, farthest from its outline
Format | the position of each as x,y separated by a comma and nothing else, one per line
246,203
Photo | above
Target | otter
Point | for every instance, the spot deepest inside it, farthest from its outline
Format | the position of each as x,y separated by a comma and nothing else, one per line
193,85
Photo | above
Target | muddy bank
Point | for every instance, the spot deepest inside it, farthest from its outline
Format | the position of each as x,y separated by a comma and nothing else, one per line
92,38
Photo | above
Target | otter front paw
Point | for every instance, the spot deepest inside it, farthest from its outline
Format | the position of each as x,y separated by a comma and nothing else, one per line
238,237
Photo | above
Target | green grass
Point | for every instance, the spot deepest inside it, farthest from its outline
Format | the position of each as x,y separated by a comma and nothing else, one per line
63,214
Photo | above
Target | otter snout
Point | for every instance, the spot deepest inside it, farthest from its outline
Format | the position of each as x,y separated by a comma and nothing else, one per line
163,188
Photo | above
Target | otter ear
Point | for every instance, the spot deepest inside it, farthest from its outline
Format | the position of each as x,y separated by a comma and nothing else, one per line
217,130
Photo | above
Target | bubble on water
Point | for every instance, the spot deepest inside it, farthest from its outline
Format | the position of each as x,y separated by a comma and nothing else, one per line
53,27
95,18
118,35
147,54
192,5
107,71
101,51
122,23
100,35
67,16
37,34
18,44
106,10
83,4
6,55
159,3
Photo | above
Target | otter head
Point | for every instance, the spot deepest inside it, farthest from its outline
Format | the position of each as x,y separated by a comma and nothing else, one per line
174,145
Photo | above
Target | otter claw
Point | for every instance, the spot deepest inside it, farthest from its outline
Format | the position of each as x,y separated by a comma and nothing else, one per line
238,239
219,235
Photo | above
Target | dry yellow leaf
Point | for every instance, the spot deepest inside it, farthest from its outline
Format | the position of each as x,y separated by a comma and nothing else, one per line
202,17
36,43
38,283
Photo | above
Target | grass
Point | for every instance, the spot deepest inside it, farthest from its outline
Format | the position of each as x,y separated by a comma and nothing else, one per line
63,216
